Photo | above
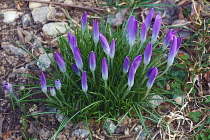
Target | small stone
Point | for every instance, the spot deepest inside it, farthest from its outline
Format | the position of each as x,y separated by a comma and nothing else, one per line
14,50
110,126
51,29
28,36
68,2
40,14
80,133
178,98
33,5
10,16
26,20
59,117
45,61
156,100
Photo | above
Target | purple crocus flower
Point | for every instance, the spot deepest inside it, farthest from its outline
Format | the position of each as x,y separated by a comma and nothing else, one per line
58,84
152,77
104,44
156,28
104,69
52,91
149,71
8,87
143,33
131,75
148,53
72,41
43,83
126,64
84,22
78,58
132,29
179,41
61,63
149,19
112,49
75,69
168,38
136,62
84,82
95,32
92,61
172,52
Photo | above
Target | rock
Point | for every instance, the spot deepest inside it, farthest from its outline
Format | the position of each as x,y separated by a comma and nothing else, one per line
10,16
59,117
137,129
50,29
28,36
33,5
44,61
26,20
40,14
178,98
156,100
14,50
68,2
143,134
80,133
110,126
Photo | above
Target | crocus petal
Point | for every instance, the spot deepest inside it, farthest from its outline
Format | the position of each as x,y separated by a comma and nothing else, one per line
104,69
179,42
72,41
152,77
149,18
167,39
43,83
112,49
149,71
148,53
84,82
172,52
126,64
136,62
95,32
52,91
78,58
61,63
143,33
75,69
104,44
156,28
92,61
58,84
131,75
132,29
84,22
8,87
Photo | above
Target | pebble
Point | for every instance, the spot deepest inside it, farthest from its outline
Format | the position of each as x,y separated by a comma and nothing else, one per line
110,126
80,133
14,50
10,16
51,29
178,98
59,117
156,100
45,61
40,14
33,5
26,20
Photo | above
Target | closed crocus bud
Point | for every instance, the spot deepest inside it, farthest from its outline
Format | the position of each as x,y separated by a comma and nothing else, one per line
172,52
84,22
104,44
131,75
112,49
75,69
78,58
152,76
143,33
61,63
72,41
92,61
136,62
156,28
95,32
84,82
167,39
148,53
43,83
58,84
126,64
132,29
149,18
8,87
179,42
104,69
149,71
52,91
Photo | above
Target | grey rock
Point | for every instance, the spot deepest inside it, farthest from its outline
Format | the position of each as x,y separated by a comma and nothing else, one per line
110,126
51,29
80,133
44,61
14,50
137,129
59,117
156,100
26,20
33,5
10,16
40,14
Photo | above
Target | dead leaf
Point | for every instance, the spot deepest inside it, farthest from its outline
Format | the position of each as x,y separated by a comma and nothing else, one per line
207,76
119,17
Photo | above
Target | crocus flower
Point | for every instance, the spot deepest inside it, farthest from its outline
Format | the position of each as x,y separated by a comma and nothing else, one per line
78,58
104,44
179,41
149,71
136,62
84,22
131,75
156,28
112,49
43,83
132,29
152,77
72,41
143,33
104,69
60,62
95,32
148,53
172,52
149,19
126,64
52,91
8,87
92,61
75,69
84,82
58,84
168,38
